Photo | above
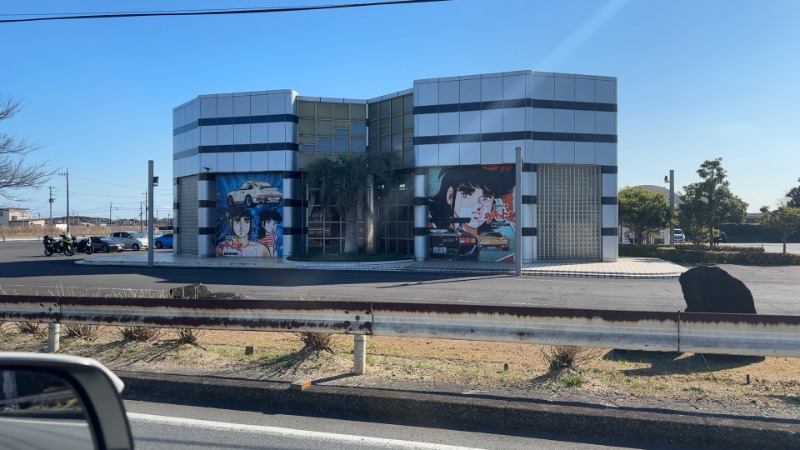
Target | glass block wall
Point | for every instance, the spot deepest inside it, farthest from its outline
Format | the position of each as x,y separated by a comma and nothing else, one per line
568,212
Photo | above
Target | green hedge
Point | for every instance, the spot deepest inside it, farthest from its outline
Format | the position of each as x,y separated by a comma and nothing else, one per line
695,255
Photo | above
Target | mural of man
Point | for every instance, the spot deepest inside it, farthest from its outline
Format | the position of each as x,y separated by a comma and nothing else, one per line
239,243
268,233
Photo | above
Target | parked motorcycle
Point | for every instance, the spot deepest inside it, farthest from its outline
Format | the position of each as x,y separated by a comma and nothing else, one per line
84,246
63,245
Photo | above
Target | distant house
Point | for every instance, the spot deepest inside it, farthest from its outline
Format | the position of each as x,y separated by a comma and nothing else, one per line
18,217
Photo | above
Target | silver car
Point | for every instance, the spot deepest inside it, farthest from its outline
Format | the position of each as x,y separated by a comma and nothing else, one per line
133,240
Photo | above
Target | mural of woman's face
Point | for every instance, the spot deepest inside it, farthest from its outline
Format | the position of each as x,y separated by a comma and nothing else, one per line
270,225
241,227
470,203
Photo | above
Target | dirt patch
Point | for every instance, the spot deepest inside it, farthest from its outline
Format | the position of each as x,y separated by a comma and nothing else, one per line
725,384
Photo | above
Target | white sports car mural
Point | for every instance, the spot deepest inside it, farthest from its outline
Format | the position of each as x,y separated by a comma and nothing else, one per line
255,192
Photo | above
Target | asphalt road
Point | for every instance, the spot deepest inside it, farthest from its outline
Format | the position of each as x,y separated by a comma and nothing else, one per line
25,270
170,426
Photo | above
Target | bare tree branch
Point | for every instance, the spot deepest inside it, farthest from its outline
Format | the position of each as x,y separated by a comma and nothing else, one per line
14,173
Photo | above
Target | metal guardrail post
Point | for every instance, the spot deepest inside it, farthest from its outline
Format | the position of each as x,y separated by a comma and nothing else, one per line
53,337
359,354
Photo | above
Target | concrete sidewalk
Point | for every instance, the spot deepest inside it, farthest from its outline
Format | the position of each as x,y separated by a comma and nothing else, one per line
622,268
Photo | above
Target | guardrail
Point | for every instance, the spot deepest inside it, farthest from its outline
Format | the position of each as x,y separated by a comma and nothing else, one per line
732,334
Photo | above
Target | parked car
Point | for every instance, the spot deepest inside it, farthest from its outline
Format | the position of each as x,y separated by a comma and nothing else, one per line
163,241
680,238
452,244
492,240
105,244
130,239
253,192
723,238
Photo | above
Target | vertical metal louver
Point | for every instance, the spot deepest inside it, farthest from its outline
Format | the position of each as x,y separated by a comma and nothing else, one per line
568,212
188,224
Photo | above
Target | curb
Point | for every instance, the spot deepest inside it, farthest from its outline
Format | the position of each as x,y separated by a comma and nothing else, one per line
457,410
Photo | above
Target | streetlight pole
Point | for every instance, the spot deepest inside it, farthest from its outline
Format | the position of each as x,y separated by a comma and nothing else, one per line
66,173
671,207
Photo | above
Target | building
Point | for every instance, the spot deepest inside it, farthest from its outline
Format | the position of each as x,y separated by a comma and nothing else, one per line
18,217
238,163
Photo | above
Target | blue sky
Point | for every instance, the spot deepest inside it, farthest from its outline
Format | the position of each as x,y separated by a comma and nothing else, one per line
697,79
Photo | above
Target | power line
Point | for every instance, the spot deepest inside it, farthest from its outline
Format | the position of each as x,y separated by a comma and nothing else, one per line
204,12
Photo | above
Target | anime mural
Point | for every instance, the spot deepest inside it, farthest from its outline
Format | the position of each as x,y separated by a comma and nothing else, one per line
471,213
249,215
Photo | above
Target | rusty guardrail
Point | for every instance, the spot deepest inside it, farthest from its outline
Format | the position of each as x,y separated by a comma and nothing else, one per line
734,334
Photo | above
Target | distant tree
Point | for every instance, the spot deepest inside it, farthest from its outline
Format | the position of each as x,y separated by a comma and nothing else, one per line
344,184
794,197
785,221
643,212
14,172
709,203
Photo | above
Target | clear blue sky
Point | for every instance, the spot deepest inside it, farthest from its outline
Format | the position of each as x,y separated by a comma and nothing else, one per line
697,79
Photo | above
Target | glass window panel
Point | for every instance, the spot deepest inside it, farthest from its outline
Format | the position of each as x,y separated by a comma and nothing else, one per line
358,112
408,158
386,108
341,124
374,111
408,104
306,126
305,109
408,144
359,145
308,140
358,128
397,124
397,142
341,111
408,121
397,106
385,123
341,132
374,128
325,144
341,145
324,127
324,111
386,144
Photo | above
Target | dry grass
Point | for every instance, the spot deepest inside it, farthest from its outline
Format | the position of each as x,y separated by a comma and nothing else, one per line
80,331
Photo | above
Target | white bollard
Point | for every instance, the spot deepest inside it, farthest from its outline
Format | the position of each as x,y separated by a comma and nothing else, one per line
359,354
53,337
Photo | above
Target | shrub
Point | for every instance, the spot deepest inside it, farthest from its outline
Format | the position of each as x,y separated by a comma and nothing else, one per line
85,332
690,254
188,336
316,342
139,334
34,328
567,357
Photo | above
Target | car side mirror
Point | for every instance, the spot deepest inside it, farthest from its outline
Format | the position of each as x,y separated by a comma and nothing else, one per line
61,401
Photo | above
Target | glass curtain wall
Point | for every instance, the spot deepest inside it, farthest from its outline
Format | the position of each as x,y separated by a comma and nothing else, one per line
391,129
325,130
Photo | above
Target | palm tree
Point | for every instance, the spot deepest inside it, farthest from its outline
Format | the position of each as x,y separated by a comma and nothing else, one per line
344,183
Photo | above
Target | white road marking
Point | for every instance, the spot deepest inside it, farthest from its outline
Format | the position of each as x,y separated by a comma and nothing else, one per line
291,433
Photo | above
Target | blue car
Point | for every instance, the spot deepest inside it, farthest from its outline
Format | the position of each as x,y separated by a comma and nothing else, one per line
163,241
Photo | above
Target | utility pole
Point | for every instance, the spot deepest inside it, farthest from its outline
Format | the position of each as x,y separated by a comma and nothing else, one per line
109,212
66,174
140,217
51,205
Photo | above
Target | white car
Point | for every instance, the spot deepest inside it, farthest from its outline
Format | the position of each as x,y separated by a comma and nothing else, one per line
253,192
133,240
680,238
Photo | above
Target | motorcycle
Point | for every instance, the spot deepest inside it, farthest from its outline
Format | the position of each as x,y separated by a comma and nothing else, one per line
63,245
84,246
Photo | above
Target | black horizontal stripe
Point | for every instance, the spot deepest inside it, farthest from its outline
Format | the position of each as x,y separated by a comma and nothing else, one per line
274,147
530,231
609,231
529,199
608,200
515,103
206,231
420,231
294,231
514,136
